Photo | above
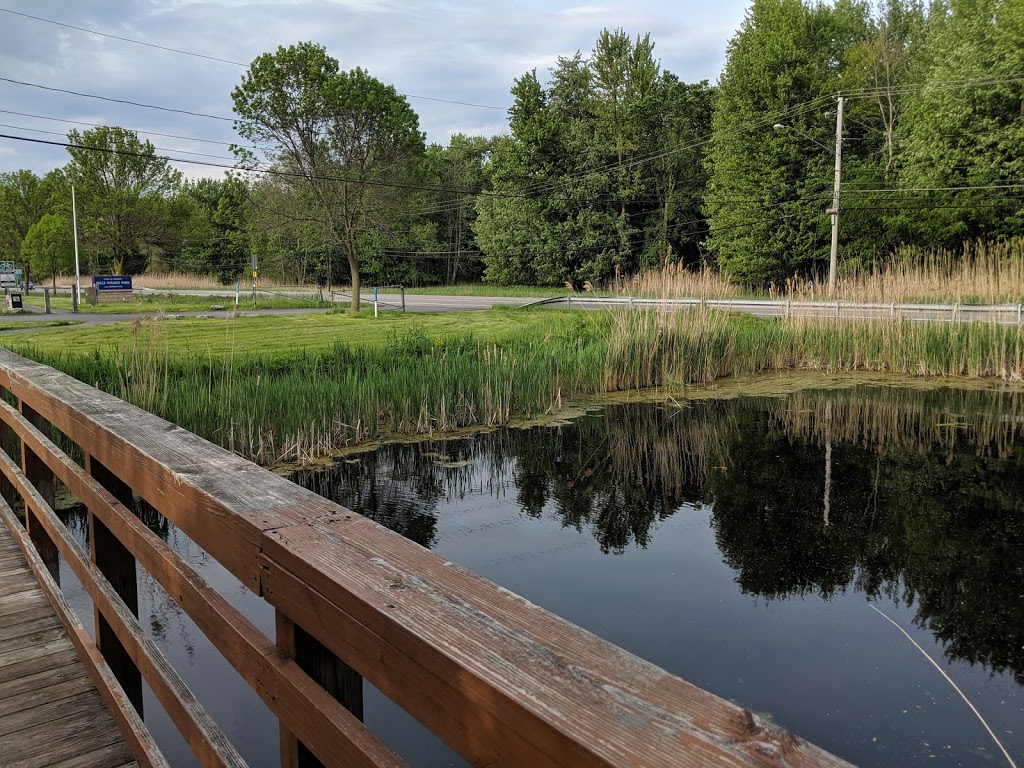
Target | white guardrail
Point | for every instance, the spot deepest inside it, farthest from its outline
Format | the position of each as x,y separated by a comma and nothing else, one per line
1004,314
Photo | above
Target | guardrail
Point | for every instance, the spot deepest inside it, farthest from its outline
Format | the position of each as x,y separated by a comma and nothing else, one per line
1006,314
500,680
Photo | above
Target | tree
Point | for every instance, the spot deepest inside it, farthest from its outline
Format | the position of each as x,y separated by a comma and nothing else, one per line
23,200
768,189
344,138
964,143
602,173
215,240
458,171
49,248
125,193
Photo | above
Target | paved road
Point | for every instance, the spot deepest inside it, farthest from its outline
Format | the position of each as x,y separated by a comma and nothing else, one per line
413,303
1010,314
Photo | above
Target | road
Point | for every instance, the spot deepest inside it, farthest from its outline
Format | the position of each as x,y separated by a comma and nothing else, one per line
1009,314
413,303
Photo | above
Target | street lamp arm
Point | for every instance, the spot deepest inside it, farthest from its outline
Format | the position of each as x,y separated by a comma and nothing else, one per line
781,127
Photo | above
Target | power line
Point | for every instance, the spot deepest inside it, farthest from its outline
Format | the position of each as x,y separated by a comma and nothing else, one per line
212,58
266,171
162,149
119,101
136,130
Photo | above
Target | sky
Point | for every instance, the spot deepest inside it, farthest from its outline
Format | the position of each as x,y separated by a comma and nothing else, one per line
434,51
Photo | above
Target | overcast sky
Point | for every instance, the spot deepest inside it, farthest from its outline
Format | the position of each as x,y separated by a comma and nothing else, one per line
454,50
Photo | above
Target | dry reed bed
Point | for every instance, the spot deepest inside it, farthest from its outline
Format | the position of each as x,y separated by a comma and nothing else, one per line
980,273
301,407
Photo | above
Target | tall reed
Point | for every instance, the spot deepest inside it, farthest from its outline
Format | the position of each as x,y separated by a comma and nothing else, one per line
304,405
979,273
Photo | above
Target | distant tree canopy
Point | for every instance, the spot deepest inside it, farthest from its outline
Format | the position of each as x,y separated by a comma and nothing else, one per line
602,174
611,165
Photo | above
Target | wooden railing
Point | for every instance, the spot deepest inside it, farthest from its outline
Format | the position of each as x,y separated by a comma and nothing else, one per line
500,680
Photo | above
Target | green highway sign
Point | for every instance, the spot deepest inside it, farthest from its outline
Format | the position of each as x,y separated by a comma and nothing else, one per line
6,266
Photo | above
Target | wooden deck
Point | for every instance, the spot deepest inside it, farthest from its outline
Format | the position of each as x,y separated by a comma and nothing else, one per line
50,711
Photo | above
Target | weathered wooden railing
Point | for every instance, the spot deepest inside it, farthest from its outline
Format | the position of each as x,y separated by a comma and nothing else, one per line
500,680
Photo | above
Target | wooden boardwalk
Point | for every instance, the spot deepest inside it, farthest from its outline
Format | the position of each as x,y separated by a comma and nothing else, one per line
50,712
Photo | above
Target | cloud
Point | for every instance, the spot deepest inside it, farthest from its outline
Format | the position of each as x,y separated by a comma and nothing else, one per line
456,50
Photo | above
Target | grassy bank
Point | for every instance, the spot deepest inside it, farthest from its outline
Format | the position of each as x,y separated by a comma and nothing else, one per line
297,388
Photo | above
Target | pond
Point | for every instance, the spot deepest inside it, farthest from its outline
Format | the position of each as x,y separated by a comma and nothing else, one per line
807,556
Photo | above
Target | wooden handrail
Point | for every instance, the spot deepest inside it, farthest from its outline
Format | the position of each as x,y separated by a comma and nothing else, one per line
500,680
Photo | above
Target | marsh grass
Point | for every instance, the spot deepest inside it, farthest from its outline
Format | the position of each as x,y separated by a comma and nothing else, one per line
298,405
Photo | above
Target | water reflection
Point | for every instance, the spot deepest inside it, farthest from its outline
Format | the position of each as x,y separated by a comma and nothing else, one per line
917,496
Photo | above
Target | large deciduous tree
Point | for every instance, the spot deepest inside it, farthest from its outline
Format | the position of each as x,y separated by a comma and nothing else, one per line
344,140
125,193
963,133
769,189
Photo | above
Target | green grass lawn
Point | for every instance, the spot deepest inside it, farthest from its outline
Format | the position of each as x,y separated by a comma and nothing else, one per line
19,325
273,335
158,302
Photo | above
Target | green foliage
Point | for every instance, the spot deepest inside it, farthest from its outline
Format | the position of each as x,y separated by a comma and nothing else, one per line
584,189
125,194
23,200
343,137
769,188
965,136
216,240
49,248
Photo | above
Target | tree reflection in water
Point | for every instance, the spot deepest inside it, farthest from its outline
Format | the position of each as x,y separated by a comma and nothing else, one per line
915,495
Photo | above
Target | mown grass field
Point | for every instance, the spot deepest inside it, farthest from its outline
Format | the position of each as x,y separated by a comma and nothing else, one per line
147,303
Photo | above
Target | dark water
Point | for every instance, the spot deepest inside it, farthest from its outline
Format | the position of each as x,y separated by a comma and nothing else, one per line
743,545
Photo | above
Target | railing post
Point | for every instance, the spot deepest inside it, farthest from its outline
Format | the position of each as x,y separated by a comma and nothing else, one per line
7,490
118,566
327,670
402,289
40,476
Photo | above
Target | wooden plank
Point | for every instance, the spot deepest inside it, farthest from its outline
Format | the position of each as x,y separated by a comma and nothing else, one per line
84,703
37,665
18,656
481,678
201,733
328,729
21,601
60,738
29,702
204,490
54,674
128,724
110,756
27,622
34,640
116,563
42,480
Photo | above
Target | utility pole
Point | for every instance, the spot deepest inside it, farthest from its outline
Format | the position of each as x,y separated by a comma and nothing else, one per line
78,277
833,261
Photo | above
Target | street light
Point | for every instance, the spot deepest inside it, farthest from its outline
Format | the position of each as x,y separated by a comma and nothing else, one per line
833,262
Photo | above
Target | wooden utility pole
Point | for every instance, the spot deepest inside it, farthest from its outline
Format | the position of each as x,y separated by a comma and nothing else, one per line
833,261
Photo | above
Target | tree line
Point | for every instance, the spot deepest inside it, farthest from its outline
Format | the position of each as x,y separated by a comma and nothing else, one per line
611,164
